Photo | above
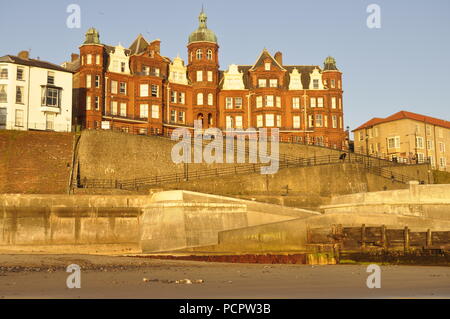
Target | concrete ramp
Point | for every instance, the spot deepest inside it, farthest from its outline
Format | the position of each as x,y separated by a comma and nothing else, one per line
258,213
182,219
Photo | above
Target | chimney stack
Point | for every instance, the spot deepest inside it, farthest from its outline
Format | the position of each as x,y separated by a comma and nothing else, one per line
24,55
279,58
74,57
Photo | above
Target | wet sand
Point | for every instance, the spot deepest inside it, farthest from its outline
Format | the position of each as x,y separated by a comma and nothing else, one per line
44,276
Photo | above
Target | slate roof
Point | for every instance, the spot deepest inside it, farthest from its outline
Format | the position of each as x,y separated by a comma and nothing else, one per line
139,45
265,55
33,62
305,71
405,115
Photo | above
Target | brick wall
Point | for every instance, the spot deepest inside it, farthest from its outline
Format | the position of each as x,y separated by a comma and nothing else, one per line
35,162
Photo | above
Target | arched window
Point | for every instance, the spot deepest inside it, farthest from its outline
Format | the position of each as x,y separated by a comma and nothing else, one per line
192,56
210,99
200,99
209,55
199,54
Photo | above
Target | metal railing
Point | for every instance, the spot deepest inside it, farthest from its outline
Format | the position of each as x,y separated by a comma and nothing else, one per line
139,183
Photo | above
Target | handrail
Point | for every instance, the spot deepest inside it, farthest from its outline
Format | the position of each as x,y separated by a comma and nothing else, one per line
136,183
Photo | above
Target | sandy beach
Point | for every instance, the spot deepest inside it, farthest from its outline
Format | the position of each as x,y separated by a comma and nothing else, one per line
44,276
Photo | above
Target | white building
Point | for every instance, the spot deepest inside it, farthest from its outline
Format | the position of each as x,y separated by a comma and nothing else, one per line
34,94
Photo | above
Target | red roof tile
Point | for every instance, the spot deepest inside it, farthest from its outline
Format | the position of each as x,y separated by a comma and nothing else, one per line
405,115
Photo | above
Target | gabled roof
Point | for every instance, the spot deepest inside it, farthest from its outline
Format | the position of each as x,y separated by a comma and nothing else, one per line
264,55
405,115
33,62
305,71
139,45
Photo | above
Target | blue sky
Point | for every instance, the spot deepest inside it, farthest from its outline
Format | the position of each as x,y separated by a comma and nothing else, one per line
405,65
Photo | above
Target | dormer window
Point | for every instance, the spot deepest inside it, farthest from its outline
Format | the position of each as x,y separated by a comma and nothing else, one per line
262,83
273,83
145,70
315,84
122,67
267,66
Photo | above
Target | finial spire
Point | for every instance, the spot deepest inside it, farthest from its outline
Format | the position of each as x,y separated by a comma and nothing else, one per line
202,19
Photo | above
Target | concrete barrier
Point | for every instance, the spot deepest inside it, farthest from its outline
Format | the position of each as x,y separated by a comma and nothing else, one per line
163,221
171,226
288,236
432,201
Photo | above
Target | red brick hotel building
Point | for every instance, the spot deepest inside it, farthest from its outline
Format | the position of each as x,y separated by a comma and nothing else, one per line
140,91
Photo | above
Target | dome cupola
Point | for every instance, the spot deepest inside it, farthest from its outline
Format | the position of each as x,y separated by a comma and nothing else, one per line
202,34
330,64
92,37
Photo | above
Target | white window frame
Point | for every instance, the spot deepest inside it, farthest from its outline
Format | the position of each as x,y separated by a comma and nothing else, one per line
396,142
114,107
238,103
210,99
199,98
228,103
270,120
419,142
143,111
269,101
262,83
296,103
259,120
155,111
88,102
278,101
155,90
259,102
333,102
238,121
123,109
199,76
320,102
273,83
296,121
114,86
88,81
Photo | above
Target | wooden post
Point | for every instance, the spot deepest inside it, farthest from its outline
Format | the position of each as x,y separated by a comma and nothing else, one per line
383,237
429,241
406,239
363,236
